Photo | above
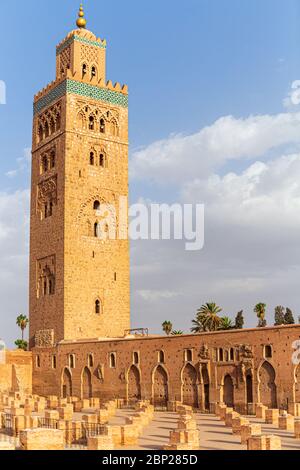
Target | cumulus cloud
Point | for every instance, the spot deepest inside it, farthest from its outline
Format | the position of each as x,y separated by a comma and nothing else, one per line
179,158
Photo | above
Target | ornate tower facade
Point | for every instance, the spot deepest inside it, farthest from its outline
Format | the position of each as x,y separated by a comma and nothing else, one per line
79,250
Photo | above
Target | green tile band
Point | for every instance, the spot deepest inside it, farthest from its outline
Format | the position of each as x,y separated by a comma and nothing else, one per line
69,41
81,89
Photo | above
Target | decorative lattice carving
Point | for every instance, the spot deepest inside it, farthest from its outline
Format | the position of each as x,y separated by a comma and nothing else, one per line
49,122
46,271
65,60
89,54
44,339
47,196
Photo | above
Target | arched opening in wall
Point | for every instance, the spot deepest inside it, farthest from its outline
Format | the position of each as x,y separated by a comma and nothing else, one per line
189,386
160,388
188,355
267,386
52,159
52,126
161,357
205,378
136,358
268,352
228,391
84,70
249,387
98,307
40,133
67,384
58,122
92,158
221,355
134,385
96,205
91,123
86,384
46,130
297,385
102,160
102,126
231,354
93,72
90,360
96,230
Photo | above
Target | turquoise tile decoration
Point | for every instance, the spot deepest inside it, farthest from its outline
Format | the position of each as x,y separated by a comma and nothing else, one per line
81,89
79,39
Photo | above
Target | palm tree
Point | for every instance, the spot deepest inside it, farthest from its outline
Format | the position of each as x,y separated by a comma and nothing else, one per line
22,322
177,333
226,324
207,318
167,327
21,344
260,310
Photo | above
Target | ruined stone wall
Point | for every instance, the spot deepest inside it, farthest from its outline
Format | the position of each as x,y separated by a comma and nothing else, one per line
16,373
242,366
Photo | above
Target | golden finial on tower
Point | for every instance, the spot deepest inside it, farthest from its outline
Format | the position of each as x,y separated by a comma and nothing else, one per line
81,21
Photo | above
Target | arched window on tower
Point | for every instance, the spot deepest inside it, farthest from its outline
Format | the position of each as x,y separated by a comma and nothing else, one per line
91,123
102,126
40,133
90,360
96,229
45,164
102,160
52,126
46,130
52,159
112,360
93,72
96,205
92,158
98,307
161,357
84,70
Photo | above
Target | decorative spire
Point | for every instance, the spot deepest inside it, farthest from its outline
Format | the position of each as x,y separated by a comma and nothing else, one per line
81,21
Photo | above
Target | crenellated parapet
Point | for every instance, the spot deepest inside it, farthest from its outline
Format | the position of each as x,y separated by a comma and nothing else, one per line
83,36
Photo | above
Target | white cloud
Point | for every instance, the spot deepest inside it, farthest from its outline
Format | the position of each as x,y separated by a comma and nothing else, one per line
179,158
23,164
154,295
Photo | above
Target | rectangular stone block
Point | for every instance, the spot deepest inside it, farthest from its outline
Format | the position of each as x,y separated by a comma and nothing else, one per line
116,434
103,416
272,416
129,435
237,423
42,439
229,417
95,402
286,423
249,430
39,406
257,443
294,409
273,443
297,428
223,412
101,443
66,412
260,411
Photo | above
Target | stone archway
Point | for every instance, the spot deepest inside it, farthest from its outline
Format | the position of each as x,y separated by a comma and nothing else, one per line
160,388
267,386
67,388
86,384
206,390
228,391
189,386
134,384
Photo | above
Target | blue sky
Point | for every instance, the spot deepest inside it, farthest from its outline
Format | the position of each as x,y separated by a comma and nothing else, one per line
187,64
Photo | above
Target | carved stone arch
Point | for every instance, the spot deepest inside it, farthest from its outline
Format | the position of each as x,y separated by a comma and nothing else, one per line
94,67
227,390
160,386
296,384
81,120
66,383
189,385
86,383
267,389
133,380
205,385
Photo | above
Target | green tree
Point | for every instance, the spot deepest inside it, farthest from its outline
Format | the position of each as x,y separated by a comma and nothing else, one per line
239,320
226,324
207,318
167,327
279,315
21,344
22,322
177,333
289,317
260,310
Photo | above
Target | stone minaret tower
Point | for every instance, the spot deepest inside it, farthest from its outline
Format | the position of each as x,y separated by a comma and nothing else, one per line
79,252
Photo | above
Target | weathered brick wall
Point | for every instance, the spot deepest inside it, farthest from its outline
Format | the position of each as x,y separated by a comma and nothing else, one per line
16,373
115,382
